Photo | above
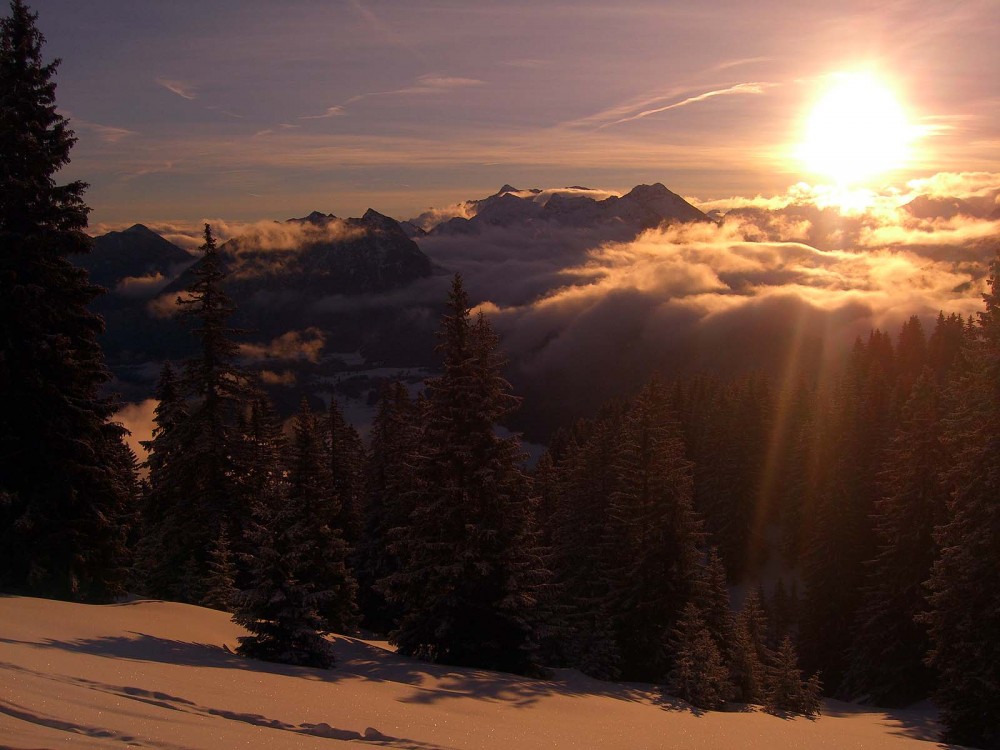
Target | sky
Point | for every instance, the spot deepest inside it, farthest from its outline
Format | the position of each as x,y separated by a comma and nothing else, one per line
252,109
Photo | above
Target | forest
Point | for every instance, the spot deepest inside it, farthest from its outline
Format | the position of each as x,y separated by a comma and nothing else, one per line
631,551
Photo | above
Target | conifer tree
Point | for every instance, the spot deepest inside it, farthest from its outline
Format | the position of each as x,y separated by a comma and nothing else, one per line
394,439
698,674
156,564
220,580
66,487
325,552
196,488
751,656
583,553
467,586
347,473
786,690
300,587
889,646
653,519
964,616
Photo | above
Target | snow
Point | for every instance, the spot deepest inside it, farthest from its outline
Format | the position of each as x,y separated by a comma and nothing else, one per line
162,675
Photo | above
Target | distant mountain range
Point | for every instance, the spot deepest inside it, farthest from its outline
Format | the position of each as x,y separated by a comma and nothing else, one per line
335,305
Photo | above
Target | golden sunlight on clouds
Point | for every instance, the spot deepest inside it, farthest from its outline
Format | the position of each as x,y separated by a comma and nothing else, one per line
857,130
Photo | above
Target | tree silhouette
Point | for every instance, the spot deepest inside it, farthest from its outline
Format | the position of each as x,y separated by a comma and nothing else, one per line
67,482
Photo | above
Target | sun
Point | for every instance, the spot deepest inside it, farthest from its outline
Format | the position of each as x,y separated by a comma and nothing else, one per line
857,130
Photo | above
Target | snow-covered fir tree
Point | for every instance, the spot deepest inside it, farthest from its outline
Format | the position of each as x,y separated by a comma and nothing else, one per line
698,674
300,587
466,589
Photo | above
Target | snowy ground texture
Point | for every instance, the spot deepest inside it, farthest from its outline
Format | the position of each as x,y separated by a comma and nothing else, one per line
162,675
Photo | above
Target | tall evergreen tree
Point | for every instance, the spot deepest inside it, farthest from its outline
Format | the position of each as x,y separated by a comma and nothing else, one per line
652,518
195,490
964,616
698,674
785,688
466,589
889,645
66,484
324,551
300,587
394,439
347,473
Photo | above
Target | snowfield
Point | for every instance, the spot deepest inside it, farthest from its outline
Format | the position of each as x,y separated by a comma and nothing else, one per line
162,675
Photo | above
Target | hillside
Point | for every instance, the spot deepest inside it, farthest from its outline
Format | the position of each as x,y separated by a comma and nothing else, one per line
161,675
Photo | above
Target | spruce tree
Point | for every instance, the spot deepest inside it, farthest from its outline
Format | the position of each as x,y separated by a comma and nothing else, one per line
66,484
467,587
195,478
220,580
347,473
785,688
163,502
394,439
964,616
698,674
583,553
652,518
889,645
300,587
324,551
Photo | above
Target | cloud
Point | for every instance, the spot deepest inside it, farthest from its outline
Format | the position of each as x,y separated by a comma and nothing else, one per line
739,89
304,345
142,286
429,83
107,133
183,90
139,420
168,305
285,377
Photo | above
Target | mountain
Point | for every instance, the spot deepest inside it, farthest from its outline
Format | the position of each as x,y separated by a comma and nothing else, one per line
133,253
319,255
644,207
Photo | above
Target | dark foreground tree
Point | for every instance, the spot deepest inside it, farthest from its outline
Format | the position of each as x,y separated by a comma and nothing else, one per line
67,482
964,616
466,589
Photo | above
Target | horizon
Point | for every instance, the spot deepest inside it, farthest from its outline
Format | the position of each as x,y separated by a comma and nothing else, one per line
250,111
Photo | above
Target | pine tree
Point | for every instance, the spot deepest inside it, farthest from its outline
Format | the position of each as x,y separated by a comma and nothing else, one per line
583,557
751,656
467,587
163,503
652,518
195,478
964,616
698,675
347,473
220,580
394,438
300,586
324,551
786,690
66,484
889,646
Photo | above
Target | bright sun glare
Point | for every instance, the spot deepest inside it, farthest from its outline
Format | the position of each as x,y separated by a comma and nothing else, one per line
857,130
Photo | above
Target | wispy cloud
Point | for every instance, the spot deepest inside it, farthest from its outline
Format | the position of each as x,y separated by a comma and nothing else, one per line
739,89
428,84
184,90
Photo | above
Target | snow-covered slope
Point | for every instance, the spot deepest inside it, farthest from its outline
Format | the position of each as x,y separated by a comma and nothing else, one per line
161,675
